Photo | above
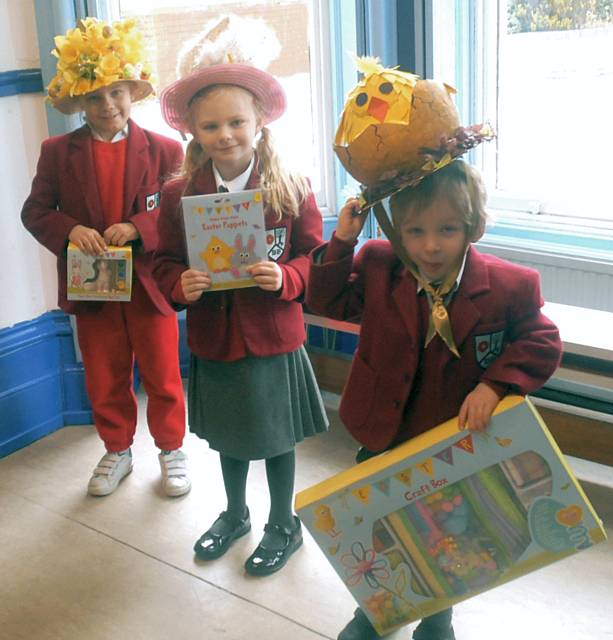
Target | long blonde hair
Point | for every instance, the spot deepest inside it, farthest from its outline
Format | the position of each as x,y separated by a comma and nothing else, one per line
284,191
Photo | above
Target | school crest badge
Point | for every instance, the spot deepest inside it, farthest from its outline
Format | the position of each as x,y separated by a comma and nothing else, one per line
488,347
276,240
153,201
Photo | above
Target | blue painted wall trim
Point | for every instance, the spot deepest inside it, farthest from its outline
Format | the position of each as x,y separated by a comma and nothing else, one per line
20,81
42,385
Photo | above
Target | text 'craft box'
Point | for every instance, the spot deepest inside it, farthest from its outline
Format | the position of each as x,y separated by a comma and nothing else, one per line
106,277
224,234
450,514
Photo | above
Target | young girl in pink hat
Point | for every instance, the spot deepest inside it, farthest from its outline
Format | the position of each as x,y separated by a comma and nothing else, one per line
252,393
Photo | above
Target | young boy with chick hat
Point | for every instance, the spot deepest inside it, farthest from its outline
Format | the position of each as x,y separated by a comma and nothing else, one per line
445,330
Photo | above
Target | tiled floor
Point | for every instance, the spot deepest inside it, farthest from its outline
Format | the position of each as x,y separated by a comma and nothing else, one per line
73,567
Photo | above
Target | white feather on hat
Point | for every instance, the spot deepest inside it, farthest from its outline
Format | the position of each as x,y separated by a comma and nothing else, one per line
230,50
233,39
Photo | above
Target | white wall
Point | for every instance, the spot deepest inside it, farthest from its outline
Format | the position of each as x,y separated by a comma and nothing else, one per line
27,271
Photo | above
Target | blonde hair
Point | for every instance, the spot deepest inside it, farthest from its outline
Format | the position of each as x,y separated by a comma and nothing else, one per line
458,182
284,192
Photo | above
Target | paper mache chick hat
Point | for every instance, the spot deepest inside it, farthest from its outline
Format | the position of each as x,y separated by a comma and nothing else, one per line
94,55
230,50
397,128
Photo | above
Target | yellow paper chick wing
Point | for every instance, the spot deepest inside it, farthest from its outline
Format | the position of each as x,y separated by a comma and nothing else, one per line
388,119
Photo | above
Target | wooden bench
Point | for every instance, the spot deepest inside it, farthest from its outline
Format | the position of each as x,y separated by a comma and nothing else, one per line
576,404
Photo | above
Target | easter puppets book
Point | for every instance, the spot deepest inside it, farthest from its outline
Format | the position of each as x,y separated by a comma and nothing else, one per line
225,233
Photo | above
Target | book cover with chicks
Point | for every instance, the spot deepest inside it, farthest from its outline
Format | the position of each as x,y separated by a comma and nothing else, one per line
450,514
225,233
107,276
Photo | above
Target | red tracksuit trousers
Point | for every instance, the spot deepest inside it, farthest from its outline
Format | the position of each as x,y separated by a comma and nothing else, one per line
110,339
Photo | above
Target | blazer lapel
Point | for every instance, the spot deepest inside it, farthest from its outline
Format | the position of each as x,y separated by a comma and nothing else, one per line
404,293
82,163
136,165
463,314
254,179
203,182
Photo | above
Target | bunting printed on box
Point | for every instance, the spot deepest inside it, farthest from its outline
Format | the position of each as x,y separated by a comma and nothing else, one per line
384,486
404,476
225,233
450,514
446,455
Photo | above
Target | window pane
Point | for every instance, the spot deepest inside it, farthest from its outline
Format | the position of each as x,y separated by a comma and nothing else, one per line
167,25
555,89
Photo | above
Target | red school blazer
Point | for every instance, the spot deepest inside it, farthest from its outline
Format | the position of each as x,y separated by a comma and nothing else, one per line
270,323
501,334
65,193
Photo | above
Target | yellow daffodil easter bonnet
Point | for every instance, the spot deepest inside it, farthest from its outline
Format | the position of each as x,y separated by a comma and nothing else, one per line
96,54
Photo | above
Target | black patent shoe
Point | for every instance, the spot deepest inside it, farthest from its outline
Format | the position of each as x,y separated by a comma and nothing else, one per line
263,561
359,628
213,545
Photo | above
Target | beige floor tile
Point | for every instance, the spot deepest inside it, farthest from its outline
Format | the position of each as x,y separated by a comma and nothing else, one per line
75,567
62,580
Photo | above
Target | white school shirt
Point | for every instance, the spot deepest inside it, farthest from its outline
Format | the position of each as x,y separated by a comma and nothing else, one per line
239,183
120,135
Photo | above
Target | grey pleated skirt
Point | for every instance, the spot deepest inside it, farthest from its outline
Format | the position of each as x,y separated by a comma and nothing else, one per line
257,407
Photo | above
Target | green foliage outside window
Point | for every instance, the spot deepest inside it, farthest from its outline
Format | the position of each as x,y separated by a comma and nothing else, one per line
557,15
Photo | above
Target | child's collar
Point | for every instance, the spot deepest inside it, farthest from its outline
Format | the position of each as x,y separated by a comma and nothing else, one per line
239,183
120,135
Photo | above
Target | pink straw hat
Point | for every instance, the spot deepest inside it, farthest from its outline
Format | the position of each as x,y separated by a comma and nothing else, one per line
230,51
175,98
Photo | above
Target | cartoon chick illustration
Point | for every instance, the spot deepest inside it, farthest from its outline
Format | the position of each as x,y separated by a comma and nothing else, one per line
218,255
383,95
324,520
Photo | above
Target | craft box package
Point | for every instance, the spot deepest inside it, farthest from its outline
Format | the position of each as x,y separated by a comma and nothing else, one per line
450,514
107,276
225,233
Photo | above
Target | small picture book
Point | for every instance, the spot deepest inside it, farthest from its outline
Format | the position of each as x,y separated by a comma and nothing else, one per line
224,233
107,276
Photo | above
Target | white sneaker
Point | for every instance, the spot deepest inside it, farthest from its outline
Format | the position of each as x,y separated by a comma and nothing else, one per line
175,480
111,469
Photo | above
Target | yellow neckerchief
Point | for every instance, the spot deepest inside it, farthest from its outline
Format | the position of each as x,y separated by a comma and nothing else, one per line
439,317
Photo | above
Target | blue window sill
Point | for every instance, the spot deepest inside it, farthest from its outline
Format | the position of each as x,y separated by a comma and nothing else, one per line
568,237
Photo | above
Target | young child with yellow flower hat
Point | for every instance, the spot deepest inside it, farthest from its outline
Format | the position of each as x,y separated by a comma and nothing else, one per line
445,330
98,186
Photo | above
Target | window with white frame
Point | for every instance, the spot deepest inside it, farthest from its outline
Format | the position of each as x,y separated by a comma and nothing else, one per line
303,68
542,73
